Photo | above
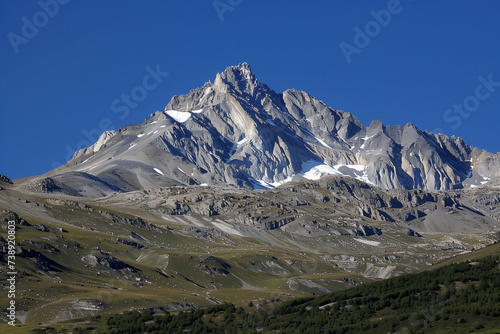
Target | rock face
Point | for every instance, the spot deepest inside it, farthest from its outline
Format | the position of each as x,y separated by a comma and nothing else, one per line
237,131
104,259
101,142
5,179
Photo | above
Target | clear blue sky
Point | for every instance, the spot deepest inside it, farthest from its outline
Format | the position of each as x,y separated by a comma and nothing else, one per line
61,79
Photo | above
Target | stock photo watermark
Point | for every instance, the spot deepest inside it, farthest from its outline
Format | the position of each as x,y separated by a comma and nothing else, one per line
223,6
31,26
363,37
120,106
460,111
11,272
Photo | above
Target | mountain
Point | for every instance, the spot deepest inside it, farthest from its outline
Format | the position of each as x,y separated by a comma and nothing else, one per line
235,193
239,132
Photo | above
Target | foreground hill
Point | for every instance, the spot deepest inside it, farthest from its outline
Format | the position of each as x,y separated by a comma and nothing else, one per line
189,247
462,297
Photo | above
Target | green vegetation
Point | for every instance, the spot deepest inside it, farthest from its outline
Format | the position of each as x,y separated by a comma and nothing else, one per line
461,297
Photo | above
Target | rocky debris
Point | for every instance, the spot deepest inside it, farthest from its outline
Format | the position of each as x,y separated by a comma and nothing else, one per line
43,228
129,243
449,201
488,200
180,208
274,224
305,200
81,308
78,205
204,233
308,285
413,214
365,230
373,266
12,216
136,222
88,304
176,307
73,183
214,266
47,185
350,281
98,257
3,246
43,246
137,236
412,233
369,212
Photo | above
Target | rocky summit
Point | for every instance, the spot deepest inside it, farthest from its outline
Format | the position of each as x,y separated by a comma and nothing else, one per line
237,131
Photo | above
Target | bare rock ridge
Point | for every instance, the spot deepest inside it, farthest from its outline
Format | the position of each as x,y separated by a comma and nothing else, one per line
239,132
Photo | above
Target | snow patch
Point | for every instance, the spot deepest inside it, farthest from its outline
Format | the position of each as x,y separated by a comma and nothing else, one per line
207,91
322,142
179,116
241,142
197,111
315,170
366,137
158,171
139,136
183,172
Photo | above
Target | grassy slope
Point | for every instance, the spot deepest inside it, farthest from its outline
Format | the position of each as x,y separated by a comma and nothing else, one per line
441,313
456,298
252,276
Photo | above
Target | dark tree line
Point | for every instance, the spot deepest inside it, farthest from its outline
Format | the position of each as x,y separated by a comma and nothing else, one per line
460,297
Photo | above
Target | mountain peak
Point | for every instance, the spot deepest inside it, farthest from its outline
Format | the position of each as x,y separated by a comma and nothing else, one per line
243,68
239,78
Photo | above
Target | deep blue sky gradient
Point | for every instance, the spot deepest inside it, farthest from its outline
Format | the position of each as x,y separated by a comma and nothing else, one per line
64,79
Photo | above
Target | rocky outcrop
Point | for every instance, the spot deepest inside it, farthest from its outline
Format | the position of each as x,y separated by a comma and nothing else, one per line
5,179
135,222
12,216
101,143
98,257
214,266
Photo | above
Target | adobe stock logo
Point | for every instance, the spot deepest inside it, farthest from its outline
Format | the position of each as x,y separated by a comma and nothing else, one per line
221,6
30,28
460,111
372,29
